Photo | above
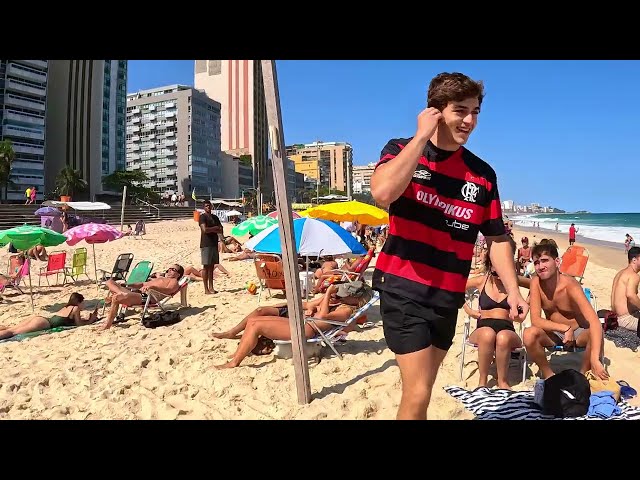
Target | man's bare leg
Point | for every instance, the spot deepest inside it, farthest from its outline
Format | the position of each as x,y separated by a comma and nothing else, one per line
418,371
222,269
128,299
584,341
535,340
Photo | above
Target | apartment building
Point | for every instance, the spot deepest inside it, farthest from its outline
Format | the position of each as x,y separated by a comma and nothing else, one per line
86,104
332,161
173,135
237,175
237,85
362,177
23,106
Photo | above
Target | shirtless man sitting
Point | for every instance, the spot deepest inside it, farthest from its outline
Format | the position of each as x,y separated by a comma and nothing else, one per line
328,266
570,318
137,293
624,294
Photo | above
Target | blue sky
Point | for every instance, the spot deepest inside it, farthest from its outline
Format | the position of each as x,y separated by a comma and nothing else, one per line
557,132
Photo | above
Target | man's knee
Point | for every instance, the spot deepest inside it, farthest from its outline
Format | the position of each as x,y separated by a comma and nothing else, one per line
417,395
531,336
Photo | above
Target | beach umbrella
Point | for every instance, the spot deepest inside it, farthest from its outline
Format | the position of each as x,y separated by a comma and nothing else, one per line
27,236
314,238
234,213
352,211
253,225
92,233
274,214
48,212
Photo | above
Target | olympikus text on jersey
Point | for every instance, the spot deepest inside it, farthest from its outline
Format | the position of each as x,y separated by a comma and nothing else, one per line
434,224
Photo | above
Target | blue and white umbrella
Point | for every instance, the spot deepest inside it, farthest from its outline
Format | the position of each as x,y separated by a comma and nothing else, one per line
314,238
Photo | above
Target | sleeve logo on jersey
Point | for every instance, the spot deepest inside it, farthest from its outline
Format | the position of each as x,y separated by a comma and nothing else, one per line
470,191
422,174
449,209
457,224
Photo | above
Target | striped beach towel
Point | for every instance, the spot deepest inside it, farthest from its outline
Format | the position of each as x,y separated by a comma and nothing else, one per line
497,404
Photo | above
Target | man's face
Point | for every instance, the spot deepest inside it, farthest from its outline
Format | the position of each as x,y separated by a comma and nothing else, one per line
173,271
546,266
207,207
460,119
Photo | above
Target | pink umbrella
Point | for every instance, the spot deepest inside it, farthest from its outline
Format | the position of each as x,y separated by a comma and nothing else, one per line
275,215
92,233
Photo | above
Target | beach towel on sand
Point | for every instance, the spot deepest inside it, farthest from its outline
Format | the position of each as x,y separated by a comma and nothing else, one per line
496,404
25,336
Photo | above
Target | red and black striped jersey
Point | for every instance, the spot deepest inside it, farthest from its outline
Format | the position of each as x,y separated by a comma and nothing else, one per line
434,224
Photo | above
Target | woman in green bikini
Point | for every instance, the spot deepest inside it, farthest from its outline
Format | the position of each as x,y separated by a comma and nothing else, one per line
67,316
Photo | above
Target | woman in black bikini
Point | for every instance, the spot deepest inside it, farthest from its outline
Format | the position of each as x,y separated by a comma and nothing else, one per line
494,333
67,316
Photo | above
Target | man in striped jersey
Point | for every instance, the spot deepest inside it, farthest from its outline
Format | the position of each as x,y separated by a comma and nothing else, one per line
440,195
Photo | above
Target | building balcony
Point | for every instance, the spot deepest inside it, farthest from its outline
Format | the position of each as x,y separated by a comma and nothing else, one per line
12,131
21,87
170,134
135,120
15,101
170,115
15,70
135,138
32,149
170,163
24,119
136,111
169,105
133,156
135,166
35,63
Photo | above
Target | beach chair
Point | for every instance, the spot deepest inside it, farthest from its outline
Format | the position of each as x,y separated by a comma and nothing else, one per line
55,266
356,274
574,262
518,353
334,335
159,299
120,268
139,274
22,273
270,272
78,264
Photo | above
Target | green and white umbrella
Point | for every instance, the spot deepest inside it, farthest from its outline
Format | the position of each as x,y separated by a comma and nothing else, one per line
253,225
27,236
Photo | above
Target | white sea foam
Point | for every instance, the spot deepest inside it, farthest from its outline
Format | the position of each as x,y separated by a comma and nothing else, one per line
600,232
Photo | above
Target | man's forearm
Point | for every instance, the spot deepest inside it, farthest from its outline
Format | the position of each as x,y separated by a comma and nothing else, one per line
391,179
548,325
501,257
633,300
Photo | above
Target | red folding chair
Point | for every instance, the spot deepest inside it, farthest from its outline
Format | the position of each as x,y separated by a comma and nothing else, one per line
55,266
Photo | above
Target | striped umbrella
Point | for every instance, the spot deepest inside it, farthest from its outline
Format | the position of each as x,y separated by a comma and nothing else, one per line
253,225
275,214
92,233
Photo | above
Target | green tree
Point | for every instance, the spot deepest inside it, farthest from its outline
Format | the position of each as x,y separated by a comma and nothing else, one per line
69,182
7,156
245,160
133,181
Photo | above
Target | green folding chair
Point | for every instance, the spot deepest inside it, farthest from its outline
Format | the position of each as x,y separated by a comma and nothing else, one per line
139,274
78,264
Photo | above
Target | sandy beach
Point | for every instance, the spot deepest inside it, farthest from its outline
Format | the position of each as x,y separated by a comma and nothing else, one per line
132,372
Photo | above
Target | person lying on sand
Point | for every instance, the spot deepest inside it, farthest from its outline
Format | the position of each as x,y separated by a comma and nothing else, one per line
339,303
495,333
136,294
245,255
231,245
570,319
624,293
67,316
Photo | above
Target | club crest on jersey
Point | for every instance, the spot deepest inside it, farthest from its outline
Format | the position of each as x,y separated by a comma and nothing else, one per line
470,191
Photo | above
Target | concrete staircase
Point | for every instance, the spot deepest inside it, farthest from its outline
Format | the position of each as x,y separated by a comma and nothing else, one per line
12,215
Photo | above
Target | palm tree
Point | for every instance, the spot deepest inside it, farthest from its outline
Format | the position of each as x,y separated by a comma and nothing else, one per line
7,156
69,182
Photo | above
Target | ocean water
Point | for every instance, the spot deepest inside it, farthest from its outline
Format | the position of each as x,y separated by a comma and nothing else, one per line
610,227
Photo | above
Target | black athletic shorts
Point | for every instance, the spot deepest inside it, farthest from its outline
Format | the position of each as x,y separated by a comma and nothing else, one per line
410,326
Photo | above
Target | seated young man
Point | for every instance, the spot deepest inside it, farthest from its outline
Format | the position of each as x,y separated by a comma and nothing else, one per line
624,293
524,255
136,294
328,266
570,318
